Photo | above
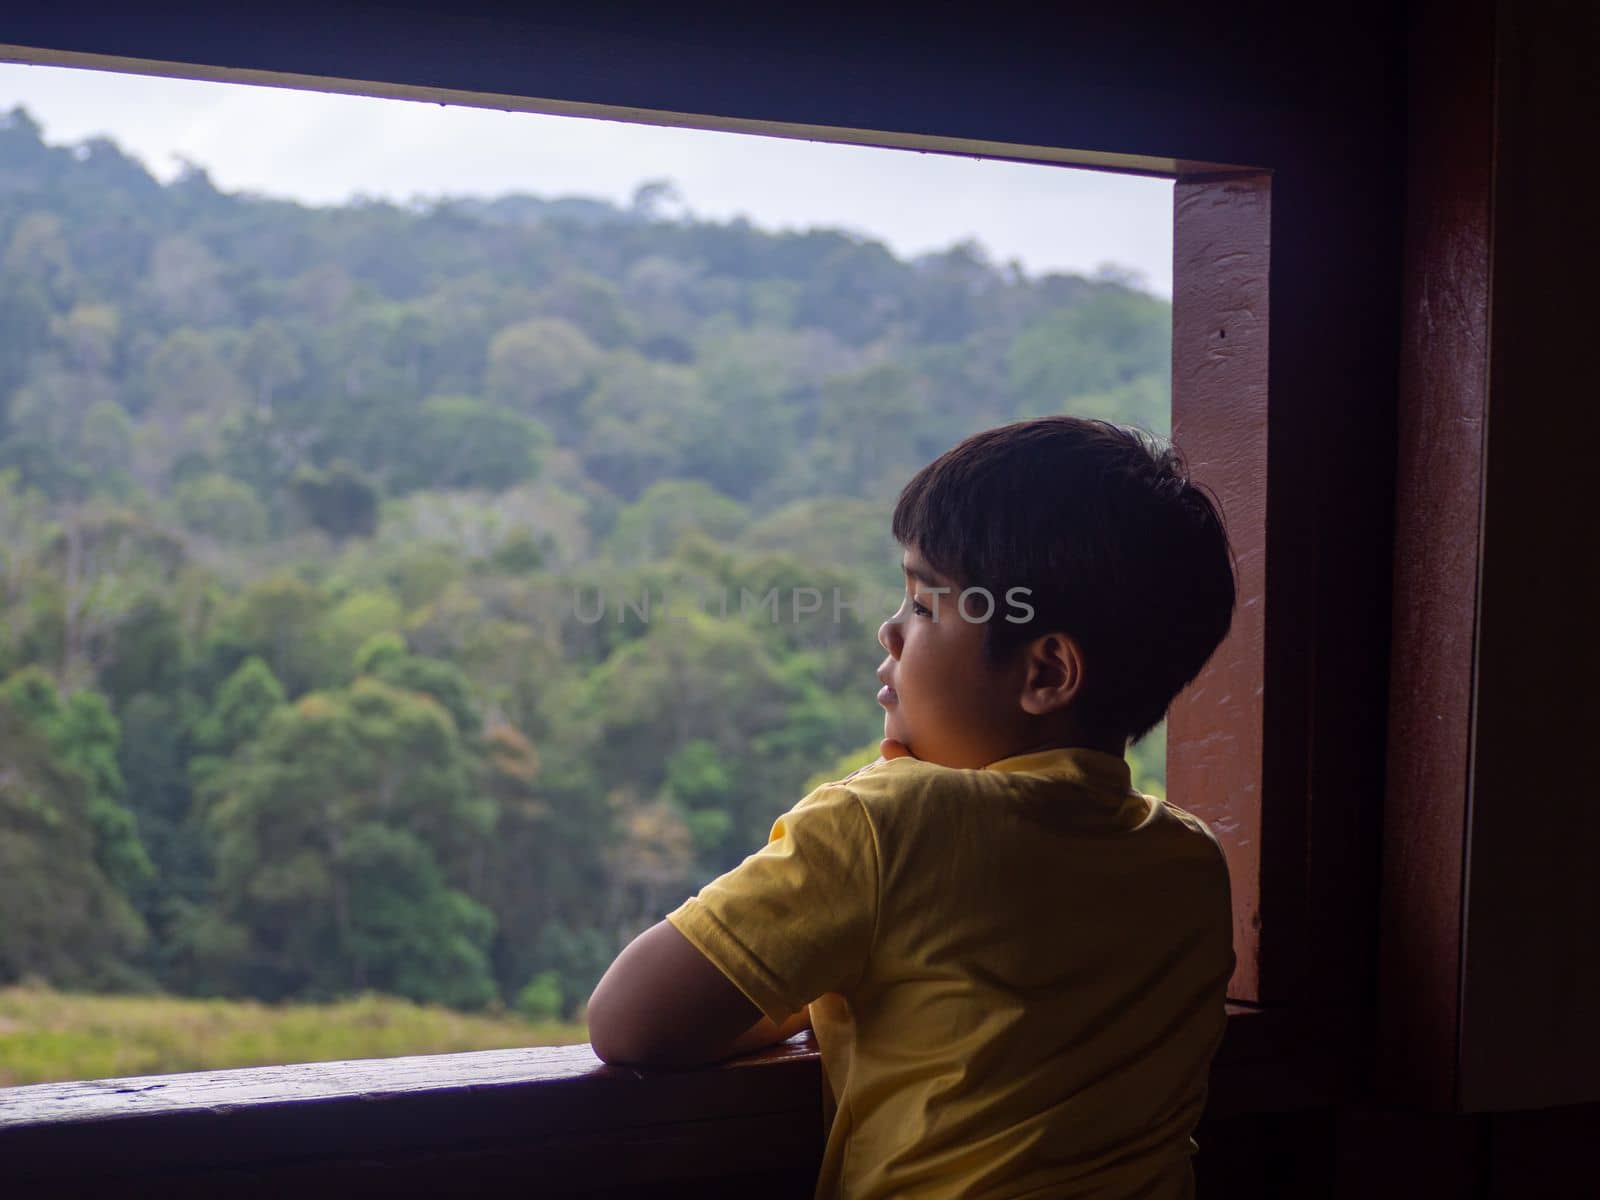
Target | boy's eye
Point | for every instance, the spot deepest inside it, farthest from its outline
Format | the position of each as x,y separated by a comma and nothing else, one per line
922,610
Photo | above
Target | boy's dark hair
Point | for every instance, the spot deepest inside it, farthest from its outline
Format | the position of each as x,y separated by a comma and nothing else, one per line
1118,547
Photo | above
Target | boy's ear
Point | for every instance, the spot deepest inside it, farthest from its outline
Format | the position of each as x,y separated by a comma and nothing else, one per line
1052,674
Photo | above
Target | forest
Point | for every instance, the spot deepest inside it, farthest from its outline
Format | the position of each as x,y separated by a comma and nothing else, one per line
302,511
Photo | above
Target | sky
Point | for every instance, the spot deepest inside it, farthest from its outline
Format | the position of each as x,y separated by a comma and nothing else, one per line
323,148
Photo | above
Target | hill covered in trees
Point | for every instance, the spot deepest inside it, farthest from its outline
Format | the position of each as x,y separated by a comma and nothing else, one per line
298,506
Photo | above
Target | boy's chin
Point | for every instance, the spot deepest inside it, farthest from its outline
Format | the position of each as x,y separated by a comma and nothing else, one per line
896,731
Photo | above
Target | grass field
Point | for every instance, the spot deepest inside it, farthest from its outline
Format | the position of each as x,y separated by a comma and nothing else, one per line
47,1035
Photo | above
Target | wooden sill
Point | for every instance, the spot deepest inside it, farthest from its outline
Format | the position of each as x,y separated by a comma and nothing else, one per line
556,1116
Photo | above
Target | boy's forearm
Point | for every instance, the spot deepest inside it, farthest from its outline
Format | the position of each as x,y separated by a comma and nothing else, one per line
764,1033
662,1003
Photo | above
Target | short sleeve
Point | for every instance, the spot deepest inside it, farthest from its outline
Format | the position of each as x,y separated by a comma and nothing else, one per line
797,918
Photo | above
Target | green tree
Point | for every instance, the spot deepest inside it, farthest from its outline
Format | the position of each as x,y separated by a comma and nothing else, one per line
533,860
145,651
90,335
183,279
650,527
24,321
278,618
332,836
83,735
154,757
636,421
542,368
1093,348
578,955
362,615
269,361
592,304
244,704
541,999
461,442
701,785
221,508
40,253
66,921
409,933
869,418
106,439
692,678
442,681
187,378
340,501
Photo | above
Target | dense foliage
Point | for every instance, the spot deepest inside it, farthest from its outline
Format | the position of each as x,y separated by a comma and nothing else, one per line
335,542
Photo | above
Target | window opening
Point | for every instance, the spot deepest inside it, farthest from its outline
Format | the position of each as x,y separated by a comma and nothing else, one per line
409,599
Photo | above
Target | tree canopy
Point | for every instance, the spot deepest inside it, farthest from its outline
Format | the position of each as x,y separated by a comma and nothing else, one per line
425,598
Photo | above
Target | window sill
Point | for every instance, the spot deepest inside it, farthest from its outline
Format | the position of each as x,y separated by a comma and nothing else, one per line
554,1114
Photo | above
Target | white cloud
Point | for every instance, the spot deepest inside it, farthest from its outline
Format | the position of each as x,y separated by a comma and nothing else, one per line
324,148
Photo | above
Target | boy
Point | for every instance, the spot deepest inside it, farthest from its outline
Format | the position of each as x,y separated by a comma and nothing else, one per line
1014,963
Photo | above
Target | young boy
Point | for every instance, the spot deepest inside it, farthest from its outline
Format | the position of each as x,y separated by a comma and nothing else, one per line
1013,962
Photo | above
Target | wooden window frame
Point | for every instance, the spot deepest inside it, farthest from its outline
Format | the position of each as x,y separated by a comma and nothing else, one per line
1216,736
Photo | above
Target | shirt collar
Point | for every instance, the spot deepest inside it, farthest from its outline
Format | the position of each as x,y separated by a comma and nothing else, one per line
1093,767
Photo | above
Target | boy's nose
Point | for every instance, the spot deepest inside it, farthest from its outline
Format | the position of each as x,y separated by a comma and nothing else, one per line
889,636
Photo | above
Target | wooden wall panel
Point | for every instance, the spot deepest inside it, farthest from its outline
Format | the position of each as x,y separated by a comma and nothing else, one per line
1444,380
1491,903
1531,996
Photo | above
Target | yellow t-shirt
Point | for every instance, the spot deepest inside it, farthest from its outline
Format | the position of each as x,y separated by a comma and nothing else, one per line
1015,974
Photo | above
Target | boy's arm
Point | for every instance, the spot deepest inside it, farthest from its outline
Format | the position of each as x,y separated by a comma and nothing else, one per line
793,921
663,1004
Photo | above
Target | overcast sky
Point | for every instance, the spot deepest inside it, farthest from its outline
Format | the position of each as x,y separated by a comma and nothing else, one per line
323,148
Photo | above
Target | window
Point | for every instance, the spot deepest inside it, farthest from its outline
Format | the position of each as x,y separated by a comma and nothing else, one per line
404,547
1331,377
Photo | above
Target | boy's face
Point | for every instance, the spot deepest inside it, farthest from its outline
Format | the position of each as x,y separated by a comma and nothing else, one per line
942,697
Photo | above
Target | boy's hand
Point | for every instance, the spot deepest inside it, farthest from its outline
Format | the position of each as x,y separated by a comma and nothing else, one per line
764,1033
889,748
